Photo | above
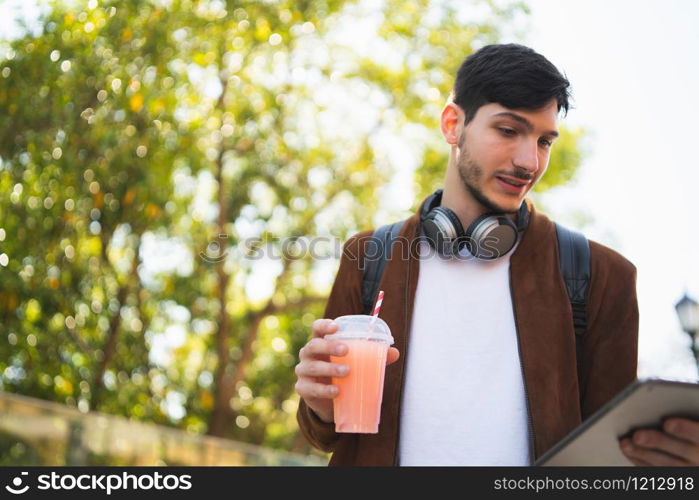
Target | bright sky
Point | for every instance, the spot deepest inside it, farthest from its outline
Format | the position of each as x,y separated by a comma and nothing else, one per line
633,67
634,71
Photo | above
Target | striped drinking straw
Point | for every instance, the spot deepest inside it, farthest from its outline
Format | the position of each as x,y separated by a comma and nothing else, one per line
377,308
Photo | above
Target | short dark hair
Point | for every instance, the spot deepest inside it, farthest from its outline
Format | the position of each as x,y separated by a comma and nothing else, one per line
512,75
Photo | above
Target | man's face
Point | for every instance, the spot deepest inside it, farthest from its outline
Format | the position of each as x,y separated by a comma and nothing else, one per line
502,153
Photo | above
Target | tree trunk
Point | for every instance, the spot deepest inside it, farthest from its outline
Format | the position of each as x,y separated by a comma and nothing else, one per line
225,386
218,421
112,336
221,399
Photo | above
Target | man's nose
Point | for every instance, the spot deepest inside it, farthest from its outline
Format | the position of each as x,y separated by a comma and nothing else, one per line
527,156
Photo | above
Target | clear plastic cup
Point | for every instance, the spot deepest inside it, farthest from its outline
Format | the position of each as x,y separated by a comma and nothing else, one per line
357,407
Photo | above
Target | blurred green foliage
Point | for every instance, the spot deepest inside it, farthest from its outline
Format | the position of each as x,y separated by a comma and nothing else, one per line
142,145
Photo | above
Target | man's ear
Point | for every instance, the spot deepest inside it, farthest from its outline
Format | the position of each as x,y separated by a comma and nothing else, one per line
451,117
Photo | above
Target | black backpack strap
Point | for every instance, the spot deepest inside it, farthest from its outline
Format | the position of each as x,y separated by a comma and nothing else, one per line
574,254
378,252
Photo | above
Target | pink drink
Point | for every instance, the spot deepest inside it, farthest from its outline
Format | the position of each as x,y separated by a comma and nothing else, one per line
358,404
357,407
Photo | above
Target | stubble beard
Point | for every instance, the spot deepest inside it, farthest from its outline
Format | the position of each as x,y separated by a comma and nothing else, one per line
471,175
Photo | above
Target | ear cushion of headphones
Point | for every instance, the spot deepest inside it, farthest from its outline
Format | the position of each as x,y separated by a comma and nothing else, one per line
444,231
490,236
454,219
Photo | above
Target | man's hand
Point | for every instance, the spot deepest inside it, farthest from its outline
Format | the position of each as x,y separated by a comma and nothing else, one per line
676,445
315,370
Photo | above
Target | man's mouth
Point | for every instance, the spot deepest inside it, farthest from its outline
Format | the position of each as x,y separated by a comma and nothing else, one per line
518,183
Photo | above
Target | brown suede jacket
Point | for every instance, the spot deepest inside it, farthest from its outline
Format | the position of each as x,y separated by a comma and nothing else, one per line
544,329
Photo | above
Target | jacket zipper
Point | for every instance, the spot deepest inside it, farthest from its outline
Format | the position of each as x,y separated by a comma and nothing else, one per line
405,357
530,427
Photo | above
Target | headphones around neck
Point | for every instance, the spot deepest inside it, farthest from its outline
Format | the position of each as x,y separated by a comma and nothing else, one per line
488,237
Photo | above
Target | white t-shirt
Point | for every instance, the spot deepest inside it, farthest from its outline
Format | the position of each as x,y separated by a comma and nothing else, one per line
464,401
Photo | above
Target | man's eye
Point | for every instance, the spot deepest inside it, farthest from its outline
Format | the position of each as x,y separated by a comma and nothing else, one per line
507,131
545,143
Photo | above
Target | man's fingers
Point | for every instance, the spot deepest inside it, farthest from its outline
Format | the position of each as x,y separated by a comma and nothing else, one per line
320,347
651,457
683,428
626,445
321,369
323,326
313,390
660,441
392,355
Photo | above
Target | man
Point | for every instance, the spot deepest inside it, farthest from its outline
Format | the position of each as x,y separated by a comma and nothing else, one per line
488,373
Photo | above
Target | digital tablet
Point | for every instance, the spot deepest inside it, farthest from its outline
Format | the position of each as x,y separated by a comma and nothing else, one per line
643,404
